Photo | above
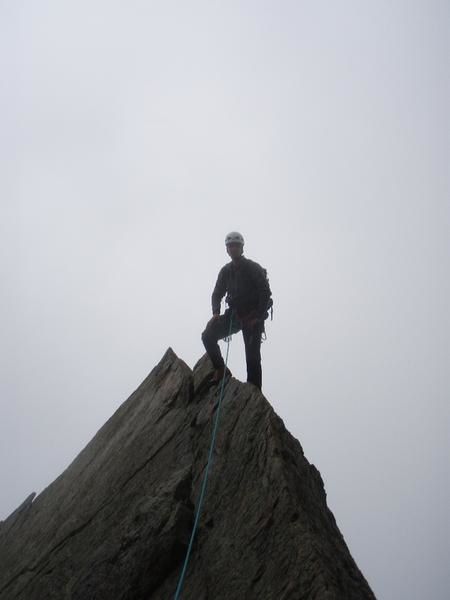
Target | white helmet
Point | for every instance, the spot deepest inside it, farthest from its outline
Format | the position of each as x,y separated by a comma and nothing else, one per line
234,238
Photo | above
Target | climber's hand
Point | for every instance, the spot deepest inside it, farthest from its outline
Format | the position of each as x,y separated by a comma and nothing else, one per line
252,323
213,319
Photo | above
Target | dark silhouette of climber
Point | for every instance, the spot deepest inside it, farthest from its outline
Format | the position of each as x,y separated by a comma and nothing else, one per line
249,298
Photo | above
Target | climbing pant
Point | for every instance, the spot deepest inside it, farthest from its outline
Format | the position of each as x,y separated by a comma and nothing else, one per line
220,328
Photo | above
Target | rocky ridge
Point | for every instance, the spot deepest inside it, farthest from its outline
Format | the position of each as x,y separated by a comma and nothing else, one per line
116,523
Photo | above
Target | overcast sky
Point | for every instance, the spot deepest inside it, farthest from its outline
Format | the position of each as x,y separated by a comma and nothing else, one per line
135,135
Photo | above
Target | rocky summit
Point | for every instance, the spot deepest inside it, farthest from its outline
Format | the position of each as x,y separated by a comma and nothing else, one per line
116,524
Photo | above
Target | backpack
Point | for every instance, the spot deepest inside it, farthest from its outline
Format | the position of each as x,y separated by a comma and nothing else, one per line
270,301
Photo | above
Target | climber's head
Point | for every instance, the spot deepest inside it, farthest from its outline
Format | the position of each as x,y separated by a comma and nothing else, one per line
234,243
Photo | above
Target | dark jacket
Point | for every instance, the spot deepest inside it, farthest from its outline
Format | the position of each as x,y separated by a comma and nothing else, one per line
246,286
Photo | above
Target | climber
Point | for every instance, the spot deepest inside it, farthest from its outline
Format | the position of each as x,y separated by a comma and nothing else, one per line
249,298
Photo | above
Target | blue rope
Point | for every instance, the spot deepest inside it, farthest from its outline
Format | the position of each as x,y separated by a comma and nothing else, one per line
205,477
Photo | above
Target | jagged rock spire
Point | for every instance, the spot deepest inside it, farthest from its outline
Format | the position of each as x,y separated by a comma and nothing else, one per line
116,524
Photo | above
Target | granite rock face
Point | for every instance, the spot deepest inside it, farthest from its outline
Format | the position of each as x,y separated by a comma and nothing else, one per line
116,524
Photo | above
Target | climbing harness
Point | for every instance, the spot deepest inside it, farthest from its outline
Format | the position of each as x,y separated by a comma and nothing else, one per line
205,476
